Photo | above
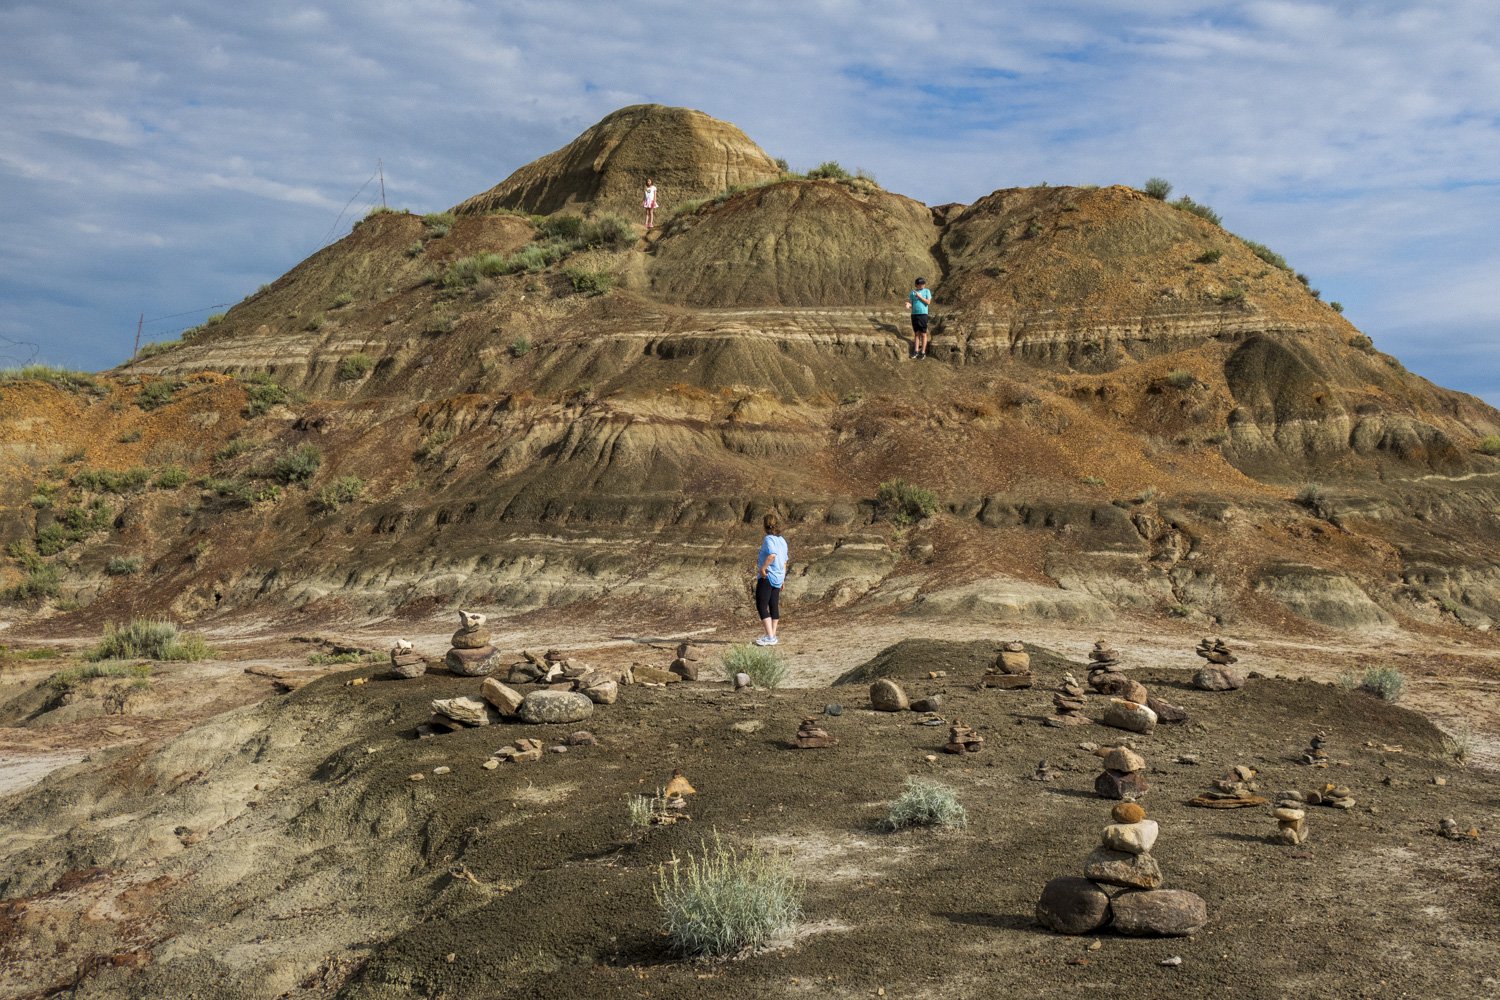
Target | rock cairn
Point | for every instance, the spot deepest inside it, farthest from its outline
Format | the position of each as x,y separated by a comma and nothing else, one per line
1124,774
1315,755
686,663
1219,675
1104,678
1068,704
1072,905
407,663
1235,790
811,736
963,739
1291,825
472,655
1333,796
1011,668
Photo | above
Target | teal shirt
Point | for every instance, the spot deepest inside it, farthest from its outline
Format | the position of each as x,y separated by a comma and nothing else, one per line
919,301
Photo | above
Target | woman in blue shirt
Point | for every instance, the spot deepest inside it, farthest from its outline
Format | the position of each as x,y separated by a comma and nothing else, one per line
770,574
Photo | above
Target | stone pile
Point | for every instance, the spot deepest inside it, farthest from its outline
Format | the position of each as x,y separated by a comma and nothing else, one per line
1068,704
963,739
1011,668
1314,755
520,752
1072,905
686,663
472,655
1291,825
1333,796
811,736
406,662
1105,679
1235,790
1219,675
1124,774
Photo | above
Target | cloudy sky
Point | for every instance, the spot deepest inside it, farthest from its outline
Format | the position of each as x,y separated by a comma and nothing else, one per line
168,157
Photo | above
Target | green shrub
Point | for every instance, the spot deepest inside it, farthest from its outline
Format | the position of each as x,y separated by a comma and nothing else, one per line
416,249
589,282
903,503
314,323
345,489
1268,255
438,224
766,669
330,659
520,347
261,393
721,901
926,803
64,680
1158,188
146,639
1231,296
171,477
1179,378
1304,279
234,449
1312,496
296,465
1187,204
607,231
1489,444
1386,683
154,394
1208,257
105,481
1337,307
41,582
439,323
829,170
560,227
130,437
355,366
124,565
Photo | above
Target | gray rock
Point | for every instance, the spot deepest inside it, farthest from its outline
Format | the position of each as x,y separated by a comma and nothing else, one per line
1129,715
1072,905
408,667
555,706
472,662
929,704
887,696
833,708
1120,784
1166,712
1218,679
602,692
1134,871
1159,913
741,681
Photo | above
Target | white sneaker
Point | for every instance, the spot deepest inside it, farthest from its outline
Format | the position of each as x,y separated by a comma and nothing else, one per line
764,640
771,640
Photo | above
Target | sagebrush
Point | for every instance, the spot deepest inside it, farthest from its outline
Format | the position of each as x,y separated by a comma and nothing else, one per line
926,803
148,639
766,669
721,901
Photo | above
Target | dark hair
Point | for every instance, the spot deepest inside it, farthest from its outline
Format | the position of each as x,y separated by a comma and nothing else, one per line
773,524
920,281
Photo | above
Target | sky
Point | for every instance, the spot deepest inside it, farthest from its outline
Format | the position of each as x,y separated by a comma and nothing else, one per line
166,159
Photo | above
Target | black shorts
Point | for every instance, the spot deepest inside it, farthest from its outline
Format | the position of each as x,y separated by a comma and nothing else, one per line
918,322
767,599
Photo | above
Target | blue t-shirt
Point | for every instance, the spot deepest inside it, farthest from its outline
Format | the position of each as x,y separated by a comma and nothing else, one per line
773,545
919,301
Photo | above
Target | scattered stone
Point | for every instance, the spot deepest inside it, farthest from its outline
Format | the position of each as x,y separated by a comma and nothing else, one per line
748,726
491,764
1190,759
555,706
811,737
963,739
507,701
1172,962
1072,905
655,675
1235,790
472,662
929,704
406,663
600,691
557,748
933,675
1166,712
444,769
523,751
1129,715
1437,780
1133,871
833,708
1315,755
1218,679
1159,912
1122,759
887,696
465,711
582,738
415,777
741,681
525,672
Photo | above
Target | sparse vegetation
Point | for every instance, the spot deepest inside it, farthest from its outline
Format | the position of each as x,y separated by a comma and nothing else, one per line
333,659
105,481
1208,257
155,394
341,300
171,477
378,211
354,367
345,489
1179,378
64,680
1158,188
41,582
1146,495
1312,496
1092,480
233,449
416,249
589,282
926,803
433,443
262,392
1489,444
156,347
1460,743
1268,255
721,902
766,669
314,323
124,565
296,465
439,323
903,503
1337,307
62,378
829,170
1202,211
146,639
1386,683
520,347
436,225
1231,296
130,437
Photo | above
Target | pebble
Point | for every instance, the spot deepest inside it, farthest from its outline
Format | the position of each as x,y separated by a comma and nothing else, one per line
1439,781
1174,961
833,708
1127,812
416,777
444,769
491,764
748,726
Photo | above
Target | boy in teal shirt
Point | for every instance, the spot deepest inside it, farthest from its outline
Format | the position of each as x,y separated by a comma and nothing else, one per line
918,300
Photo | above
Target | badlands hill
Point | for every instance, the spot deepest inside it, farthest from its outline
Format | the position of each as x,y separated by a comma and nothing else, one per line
523,403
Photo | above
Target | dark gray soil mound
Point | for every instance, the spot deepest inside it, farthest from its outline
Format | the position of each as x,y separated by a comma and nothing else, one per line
914,659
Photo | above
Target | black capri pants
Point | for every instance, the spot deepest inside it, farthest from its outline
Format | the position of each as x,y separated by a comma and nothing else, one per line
767,599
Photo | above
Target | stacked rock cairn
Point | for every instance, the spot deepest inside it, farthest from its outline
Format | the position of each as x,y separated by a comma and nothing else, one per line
407,663
1333,796
1141,710
1011,668
1235,790
472,655
1315,755
1291,824
1124,774
1220,674
1068,704
963,739
1072,905
812,736
686,663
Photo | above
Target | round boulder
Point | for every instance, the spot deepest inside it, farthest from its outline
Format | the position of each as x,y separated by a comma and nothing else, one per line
887,696
555,706
1072,905
1159,913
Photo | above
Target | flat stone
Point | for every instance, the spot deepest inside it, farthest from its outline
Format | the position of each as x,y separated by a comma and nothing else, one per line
1060,721
1134,871
507,701
887,696
685,668
1072,905
490,764
472,662
1159,913
1132,838
1286,812
465,711
1007,682
655,675
1219,678
555,706
1125,760
747,726
833,708
1130,715
1119,785
1166,712
409,669
471,638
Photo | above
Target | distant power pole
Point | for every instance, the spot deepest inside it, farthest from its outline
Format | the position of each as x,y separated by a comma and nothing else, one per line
138,324
380,165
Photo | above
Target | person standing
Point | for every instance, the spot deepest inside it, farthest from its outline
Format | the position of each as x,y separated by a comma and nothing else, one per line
919,300
770,574
650,204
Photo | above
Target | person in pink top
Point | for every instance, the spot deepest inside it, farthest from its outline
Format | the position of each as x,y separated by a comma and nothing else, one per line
650,203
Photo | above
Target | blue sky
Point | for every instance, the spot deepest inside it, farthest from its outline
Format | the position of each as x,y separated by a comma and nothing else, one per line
166,157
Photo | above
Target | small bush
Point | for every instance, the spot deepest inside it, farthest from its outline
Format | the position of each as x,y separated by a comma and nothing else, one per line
607,232
41,582
327,659
926,803
1337,307
144,639
589,282
903,503
1231,296
64,680
766,669
1268,255
314,323
433,443
380,210
439,323
355,366
520,347
438,224
641,811
721,902
1208,257
415,250
829,170
130,437
105,481
1386,683
341,300
1158,188
1489,444
1312,496
296,465
154,394
560,227
124,565
262,392
1461,743
234,449
1179,378
1202,211
345,489
1146,495
171,477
